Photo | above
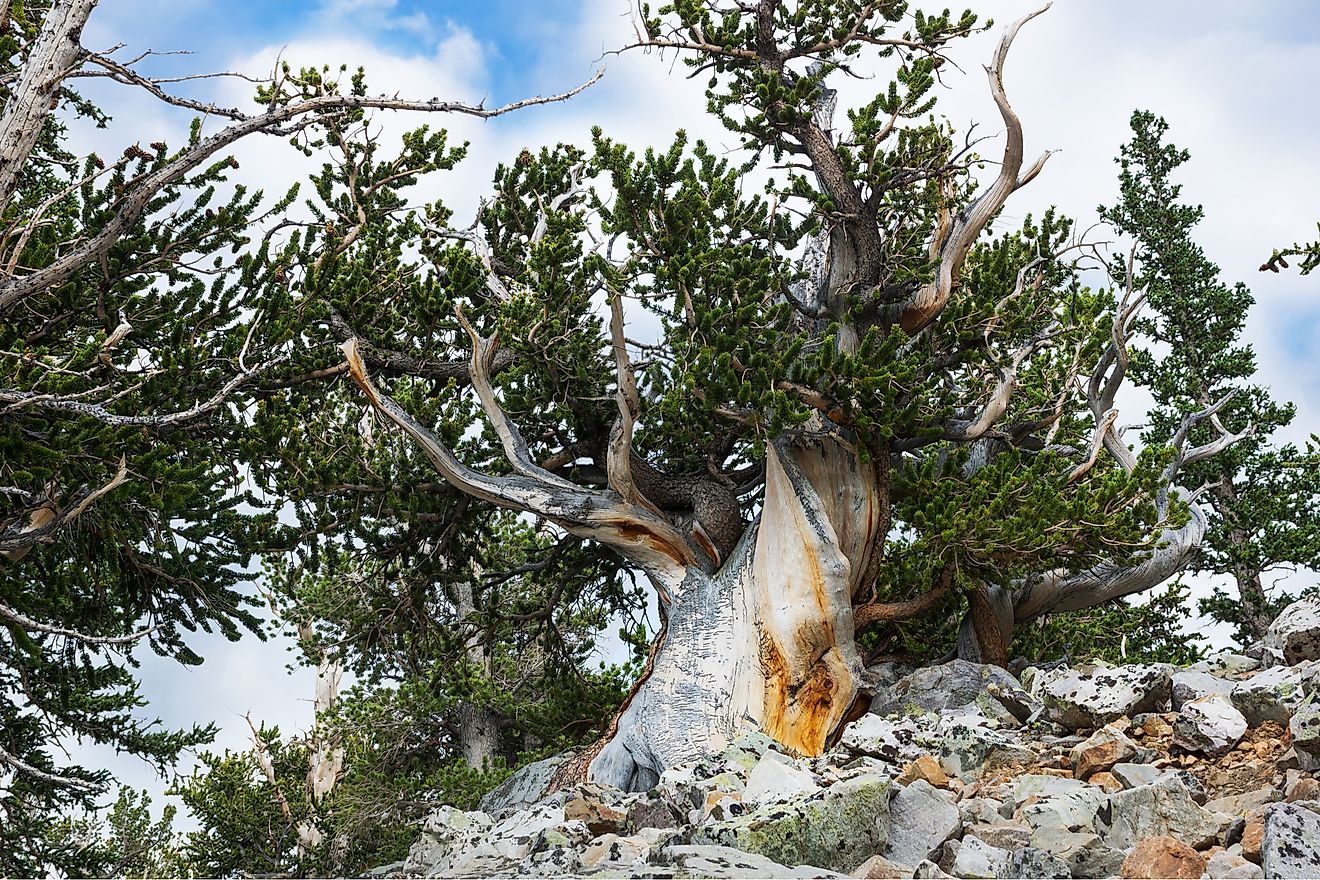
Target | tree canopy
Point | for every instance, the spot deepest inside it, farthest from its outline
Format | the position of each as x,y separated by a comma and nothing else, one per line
775,413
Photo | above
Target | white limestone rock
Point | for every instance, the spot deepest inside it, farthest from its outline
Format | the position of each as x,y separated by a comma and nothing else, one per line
1209,725
776,778
1296,632
1190,685
1094,699
921,817
1290,846
1271,695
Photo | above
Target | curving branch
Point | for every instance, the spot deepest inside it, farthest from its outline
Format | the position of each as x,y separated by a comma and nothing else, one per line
43,776
645,537
952,244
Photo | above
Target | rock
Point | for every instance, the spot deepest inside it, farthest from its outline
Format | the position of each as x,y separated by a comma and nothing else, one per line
514,836
446,833
894,741
880,868
989,690
598,817
652,810
1304,729
1005,835
1106,782
1209,725
726,862
1161,857
611,849
1084,853
1030,863
981,811
1094,699
526,786
1051,800
1164,807
1226,866
926,768
1225,664
1296,632
477,866
1306,788
1189,685
775,778
921,817
1239,805
1272,695
1253,835
967,745
836,829
1100,751
1133,775
978,859
1290,843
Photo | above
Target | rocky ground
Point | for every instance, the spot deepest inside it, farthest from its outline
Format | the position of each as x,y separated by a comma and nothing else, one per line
961,770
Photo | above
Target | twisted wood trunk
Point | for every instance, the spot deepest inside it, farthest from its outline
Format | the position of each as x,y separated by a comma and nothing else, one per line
766,641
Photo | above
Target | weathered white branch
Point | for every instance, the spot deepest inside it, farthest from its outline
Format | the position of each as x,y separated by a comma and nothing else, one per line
42,775
649,540
953,245
50,57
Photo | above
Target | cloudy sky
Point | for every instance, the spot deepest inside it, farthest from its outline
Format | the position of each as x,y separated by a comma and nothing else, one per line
1235,80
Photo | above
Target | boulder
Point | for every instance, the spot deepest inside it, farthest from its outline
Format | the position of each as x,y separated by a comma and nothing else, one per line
614,851
891,740
1133,775
1227,866
1296,632
1165,807
880,868
1162,857
1041,801
526,786
1101,751
967,745
1084,854
1189,685
1304,729
1209,725
926,768
776,778
1030,863
1005,835
725,862
958,685
1081,699
1290,842
1226,664
1271,695
652,810
979,860
835,829
921,817
446,833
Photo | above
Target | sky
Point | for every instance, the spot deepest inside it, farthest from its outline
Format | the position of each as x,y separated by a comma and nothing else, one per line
1234,80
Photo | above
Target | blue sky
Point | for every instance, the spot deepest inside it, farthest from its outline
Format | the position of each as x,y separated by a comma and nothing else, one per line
1234,79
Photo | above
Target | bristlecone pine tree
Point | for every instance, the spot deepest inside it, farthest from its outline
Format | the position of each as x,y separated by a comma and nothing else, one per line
1264,500
850,416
